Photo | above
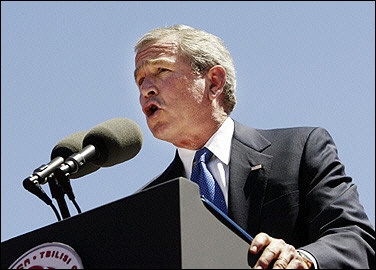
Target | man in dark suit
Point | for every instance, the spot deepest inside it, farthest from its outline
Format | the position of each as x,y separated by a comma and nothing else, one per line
286,187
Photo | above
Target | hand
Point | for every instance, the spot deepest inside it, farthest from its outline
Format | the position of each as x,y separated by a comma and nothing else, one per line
276,252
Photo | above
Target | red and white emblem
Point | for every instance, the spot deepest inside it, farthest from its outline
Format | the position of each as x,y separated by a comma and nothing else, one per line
52,255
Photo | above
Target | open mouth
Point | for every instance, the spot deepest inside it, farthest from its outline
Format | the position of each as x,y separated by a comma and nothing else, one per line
150,110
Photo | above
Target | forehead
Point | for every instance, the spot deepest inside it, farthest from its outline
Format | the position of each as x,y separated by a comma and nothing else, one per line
154,52
154,49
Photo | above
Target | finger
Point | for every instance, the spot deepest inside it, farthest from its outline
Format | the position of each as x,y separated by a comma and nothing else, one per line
260,241
281,263
272,252
288,252
297,263
269,254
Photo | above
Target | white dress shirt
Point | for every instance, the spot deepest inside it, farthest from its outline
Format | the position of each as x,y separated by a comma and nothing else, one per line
220,145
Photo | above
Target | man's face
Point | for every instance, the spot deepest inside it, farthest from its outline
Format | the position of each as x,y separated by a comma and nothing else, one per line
172,96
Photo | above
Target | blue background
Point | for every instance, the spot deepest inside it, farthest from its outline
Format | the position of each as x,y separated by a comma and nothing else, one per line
68,66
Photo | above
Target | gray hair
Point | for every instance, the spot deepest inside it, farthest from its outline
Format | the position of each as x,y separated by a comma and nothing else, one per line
204,50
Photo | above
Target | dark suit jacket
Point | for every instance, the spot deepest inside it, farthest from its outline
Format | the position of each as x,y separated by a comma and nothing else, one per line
300,194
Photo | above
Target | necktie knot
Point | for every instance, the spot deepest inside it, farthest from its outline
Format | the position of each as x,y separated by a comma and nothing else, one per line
203,155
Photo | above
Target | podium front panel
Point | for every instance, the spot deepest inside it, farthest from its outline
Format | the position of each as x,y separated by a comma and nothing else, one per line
166,226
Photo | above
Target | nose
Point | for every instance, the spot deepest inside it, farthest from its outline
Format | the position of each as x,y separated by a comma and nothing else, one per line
148,88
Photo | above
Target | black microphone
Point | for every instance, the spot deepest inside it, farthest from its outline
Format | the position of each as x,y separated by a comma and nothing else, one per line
40,174
109,143
63,149
60,184
70,145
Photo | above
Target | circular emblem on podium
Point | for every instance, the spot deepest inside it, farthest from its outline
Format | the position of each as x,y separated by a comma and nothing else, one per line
52,255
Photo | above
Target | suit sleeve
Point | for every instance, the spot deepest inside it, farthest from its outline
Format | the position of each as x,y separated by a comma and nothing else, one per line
340,232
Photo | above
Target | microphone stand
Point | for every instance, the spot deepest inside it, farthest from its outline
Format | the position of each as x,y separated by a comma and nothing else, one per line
58,194
64,182
34,187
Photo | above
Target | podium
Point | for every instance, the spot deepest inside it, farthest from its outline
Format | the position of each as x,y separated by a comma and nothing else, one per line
165,226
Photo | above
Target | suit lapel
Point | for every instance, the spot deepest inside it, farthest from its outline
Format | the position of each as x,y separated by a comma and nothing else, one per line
174,170
249,170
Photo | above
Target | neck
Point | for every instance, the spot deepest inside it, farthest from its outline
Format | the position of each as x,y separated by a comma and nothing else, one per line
197,139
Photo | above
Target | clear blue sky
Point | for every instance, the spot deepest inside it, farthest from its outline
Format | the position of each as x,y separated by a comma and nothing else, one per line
68,66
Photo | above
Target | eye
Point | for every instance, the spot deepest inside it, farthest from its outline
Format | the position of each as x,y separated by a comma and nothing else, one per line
140,81
160,70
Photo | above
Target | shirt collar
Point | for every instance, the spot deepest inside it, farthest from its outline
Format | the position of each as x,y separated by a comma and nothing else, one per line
219,144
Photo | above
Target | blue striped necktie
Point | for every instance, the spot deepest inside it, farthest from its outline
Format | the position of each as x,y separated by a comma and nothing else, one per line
209,187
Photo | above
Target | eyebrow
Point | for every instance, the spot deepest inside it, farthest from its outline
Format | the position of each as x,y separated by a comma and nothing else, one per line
151,62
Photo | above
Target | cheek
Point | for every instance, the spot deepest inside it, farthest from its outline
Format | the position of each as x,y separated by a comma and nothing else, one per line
140,99
183,90
197,90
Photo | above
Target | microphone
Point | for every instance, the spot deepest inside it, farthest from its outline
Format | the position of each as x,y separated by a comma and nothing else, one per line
62,150
42,175
60,184
70,145
109,143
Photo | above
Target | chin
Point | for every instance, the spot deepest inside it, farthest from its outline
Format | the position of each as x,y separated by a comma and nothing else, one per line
157,132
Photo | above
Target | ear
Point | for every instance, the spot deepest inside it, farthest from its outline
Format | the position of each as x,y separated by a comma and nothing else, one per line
217,78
